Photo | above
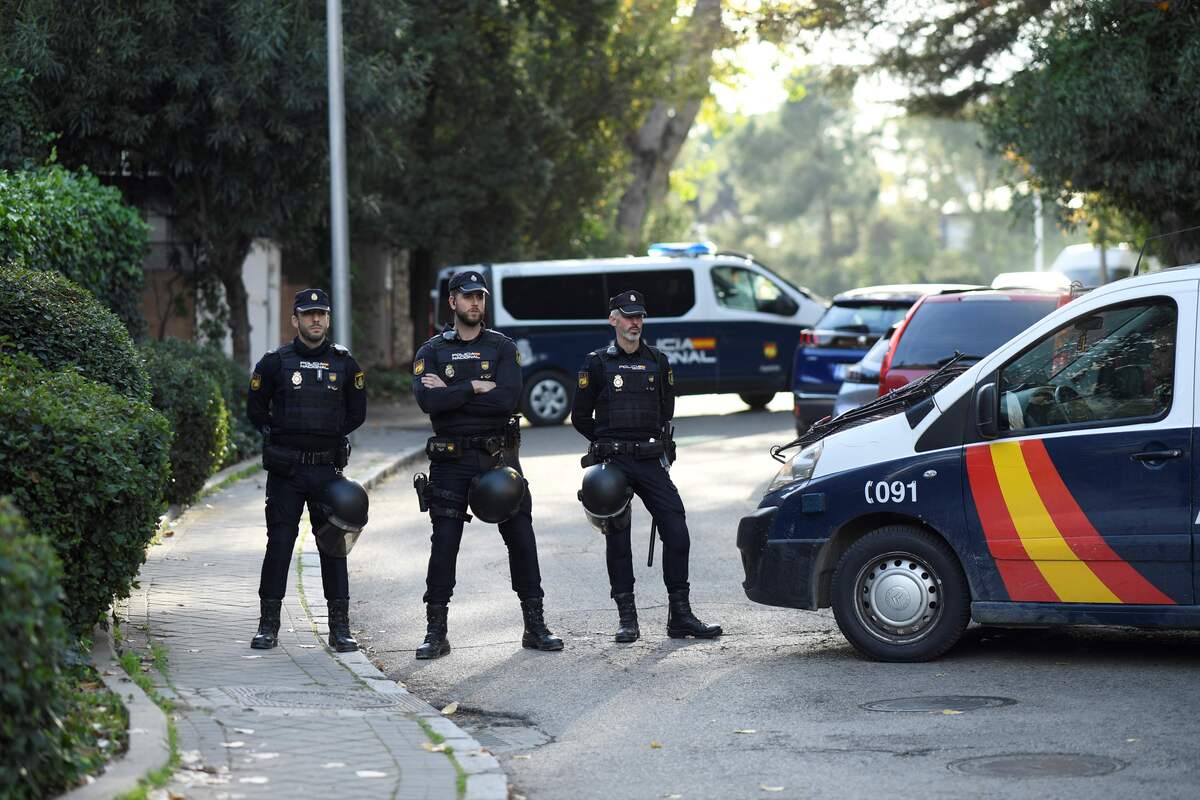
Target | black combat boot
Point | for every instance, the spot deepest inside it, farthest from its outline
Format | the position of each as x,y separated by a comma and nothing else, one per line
627,625
537,636
339,627
268,625
436,644
681,622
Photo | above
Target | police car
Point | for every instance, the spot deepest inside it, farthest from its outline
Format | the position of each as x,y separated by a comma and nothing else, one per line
1050,482
726,322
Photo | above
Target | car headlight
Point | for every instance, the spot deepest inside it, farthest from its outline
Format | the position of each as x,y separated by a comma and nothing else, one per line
799,468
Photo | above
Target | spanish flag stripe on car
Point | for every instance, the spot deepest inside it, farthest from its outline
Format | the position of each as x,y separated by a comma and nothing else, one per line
1027,512
1022,579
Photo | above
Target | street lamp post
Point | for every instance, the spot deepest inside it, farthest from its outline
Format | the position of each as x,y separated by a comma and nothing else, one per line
338,223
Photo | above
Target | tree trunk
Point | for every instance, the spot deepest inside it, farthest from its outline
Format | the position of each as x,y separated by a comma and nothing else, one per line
227,259
422,279
656,144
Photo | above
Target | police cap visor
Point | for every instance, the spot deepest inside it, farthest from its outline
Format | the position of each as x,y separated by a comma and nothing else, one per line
467,282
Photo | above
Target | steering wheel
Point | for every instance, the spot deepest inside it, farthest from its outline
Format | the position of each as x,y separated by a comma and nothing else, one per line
1064,395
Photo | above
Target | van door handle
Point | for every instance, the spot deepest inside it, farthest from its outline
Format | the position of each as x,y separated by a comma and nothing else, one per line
1156,455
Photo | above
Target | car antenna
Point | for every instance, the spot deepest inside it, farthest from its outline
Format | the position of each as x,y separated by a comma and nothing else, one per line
1138,265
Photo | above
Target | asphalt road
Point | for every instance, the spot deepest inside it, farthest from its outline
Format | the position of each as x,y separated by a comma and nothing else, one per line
775,708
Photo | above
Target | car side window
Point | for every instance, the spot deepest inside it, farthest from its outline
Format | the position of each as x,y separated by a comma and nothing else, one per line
1114,364
746,290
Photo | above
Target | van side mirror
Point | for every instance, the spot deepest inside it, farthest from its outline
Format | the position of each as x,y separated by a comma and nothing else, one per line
986,407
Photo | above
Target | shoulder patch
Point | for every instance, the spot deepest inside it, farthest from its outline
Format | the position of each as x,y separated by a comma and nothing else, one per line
360,380
255,382
583,379
419,366
670,376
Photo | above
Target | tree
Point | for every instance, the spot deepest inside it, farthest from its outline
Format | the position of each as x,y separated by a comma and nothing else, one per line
222,101
1108,108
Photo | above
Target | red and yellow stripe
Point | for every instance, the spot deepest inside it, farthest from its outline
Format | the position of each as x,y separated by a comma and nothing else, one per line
1045,548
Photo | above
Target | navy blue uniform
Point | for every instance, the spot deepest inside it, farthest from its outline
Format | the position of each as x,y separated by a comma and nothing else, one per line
309,399
625,397
457,411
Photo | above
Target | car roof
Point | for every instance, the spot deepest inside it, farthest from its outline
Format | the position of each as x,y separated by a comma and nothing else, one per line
1018,293
899,292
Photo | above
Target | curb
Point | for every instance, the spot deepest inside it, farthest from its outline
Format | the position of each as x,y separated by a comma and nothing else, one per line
148,748
485,779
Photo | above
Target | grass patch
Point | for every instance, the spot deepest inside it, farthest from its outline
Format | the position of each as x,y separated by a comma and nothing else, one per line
138,670
232,478
460,781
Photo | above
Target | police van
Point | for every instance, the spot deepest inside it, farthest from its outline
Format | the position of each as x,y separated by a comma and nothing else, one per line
1051,482
725,321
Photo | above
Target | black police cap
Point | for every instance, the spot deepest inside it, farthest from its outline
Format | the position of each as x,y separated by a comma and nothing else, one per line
311,300
630,302
468,281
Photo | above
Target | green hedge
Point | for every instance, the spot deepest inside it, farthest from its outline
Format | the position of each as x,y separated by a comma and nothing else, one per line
88,469
32,640
232,380
55,219
62,325
190,399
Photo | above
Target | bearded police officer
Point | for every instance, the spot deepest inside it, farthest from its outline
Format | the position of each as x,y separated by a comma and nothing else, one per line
468,379
623,405
305,397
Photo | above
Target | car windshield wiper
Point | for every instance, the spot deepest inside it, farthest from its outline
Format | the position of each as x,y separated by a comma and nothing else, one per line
896,400
957,357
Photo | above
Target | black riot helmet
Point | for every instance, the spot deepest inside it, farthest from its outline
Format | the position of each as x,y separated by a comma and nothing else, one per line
345,505
605,495
496,495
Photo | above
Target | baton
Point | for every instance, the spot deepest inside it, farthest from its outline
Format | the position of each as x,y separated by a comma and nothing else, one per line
650,555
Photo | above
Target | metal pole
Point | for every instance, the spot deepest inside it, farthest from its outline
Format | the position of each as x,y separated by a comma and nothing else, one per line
338,223
1039,240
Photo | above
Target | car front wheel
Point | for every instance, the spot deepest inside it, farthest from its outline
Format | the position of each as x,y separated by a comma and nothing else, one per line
899,594
546,399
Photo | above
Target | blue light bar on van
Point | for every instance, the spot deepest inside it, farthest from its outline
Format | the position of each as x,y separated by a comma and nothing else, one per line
682,249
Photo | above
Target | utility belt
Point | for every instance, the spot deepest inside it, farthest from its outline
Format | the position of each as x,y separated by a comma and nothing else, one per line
604,449
451,448
283,461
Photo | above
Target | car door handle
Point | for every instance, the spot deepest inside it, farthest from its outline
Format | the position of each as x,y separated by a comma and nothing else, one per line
1156,455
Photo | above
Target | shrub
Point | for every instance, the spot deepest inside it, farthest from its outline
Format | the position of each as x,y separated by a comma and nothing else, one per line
32,640
232,380
55,219
186,393
61,325
87,467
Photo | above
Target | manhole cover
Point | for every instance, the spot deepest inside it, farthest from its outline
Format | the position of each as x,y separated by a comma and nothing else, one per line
1038,765
925,705
311,698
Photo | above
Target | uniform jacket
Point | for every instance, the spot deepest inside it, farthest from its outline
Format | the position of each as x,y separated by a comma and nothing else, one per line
455,409
624,396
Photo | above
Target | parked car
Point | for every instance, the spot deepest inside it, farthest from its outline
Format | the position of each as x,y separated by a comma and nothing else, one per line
1081,262
845,333
862,379
1046,281
971,323
726,322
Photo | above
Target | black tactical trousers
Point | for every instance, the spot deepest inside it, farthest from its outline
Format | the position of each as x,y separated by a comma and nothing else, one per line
286,497
455,476
653,485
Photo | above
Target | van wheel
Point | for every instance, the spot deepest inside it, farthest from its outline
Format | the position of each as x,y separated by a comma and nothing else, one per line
899,594
546,399
757,401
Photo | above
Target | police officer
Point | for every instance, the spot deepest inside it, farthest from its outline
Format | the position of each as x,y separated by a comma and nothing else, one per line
623,405
305,397
468,379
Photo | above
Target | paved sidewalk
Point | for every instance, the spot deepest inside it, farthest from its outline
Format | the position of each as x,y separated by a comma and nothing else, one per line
299,720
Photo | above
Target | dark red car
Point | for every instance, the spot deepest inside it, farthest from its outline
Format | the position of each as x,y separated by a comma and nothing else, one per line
973,323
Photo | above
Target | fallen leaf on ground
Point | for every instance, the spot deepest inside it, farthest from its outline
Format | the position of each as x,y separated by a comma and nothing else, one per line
250,657
672,797
656,745
950,712
370,773
1133,740
767,788
333,764
244,731
523,757
309,646
254,779
210,563
168,533
450,708
265,756
193,649
433,748
745,730
232,745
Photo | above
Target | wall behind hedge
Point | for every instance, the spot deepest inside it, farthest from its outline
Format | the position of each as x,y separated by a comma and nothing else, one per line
55,219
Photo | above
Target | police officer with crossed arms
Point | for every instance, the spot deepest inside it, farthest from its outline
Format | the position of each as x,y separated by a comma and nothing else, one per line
305,397
623,405
468,379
